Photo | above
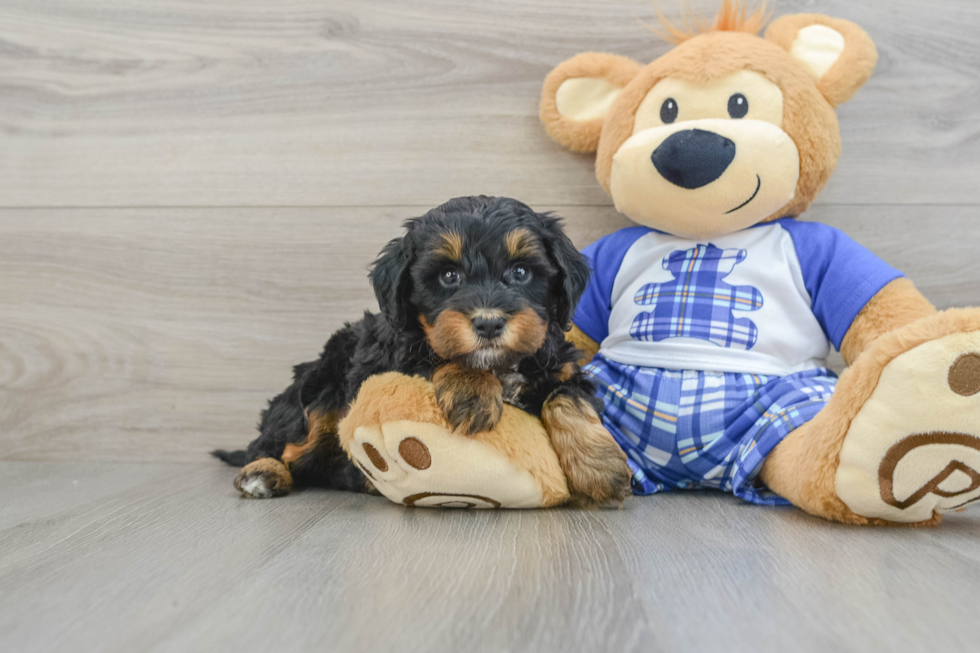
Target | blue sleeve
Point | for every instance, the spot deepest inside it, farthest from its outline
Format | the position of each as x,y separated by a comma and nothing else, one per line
605,256
840,275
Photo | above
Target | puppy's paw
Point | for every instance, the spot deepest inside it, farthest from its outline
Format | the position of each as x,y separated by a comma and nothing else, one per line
513,384
263,479
595,466
472,400
473,414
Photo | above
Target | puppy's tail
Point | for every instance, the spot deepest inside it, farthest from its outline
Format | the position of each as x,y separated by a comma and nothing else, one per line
233,458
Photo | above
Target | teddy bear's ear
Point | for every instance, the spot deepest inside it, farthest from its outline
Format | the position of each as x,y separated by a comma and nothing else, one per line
838,53
578,93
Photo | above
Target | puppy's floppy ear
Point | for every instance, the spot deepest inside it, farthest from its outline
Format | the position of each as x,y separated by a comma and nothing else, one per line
839,54
392,281
573,269
577,95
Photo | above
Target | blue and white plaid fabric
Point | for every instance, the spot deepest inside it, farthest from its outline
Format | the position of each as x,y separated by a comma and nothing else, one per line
698,303
690,430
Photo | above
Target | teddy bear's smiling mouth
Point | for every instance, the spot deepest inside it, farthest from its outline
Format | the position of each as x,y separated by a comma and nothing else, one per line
757,187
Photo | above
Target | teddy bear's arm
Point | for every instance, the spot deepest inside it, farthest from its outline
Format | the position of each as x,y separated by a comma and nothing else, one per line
585,344
897,304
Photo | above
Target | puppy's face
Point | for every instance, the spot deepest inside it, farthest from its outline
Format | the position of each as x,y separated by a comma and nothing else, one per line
483,290
485,278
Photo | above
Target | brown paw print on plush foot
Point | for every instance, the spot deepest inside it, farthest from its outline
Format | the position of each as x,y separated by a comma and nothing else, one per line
398,435
428,465
263,479
913,451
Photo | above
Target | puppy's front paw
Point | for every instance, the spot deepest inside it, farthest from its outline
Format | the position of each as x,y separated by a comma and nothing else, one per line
594,464
472,400
263,479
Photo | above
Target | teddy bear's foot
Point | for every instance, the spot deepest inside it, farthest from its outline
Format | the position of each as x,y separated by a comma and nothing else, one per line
913,450
263,479
398,436
899,442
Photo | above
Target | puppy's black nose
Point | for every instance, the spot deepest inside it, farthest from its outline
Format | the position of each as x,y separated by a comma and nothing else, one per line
693,158
489,327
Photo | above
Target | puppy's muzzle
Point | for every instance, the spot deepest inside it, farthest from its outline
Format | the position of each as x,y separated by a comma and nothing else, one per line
489,328
487,338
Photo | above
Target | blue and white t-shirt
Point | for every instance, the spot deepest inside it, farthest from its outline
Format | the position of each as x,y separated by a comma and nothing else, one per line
766,300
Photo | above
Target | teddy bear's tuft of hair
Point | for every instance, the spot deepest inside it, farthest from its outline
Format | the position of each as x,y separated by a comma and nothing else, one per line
733,16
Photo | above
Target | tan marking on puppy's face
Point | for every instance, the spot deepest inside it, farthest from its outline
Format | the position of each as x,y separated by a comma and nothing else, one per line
525,332
451,335
450,247
706,159
521,243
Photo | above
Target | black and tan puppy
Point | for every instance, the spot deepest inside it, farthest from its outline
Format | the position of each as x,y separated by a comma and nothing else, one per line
476,296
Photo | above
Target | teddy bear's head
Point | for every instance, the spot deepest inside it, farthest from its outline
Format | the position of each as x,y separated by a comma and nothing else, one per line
726,130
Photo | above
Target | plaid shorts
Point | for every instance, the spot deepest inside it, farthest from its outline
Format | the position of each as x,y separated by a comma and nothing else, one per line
690,430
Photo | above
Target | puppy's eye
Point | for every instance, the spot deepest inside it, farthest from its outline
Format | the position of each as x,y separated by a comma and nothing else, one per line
738,106
520,274
668,111
449,278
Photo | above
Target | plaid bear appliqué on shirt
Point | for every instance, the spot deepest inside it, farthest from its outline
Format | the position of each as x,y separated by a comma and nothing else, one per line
698,303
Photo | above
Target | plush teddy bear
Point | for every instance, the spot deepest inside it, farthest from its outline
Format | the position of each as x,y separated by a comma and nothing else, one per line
709,324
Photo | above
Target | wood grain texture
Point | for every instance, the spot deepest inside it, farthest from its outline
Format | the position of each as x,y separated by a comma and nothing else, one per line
383,102
133,340
167,558
156,335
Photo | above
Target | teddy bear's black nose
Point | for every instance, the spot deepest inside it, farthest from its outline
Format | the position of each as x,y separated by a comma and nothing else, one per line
693,158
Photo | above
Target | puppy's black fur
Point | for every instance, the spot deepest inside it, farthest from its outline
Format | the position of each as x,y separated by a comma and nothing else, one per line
479,283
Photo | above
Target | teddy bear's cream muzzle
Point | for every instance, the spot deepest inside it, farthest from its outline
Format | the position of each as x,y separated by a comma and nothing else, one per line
704,178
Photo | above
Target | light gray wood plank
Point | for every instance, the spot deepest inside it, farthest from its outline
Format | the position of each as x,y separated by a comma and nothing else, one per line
156,335
35,499
180,563
130,565
381,102
784,580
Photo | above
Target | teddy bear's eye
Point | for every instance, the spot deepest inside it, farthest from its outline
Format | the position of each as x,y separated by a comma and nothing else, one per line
738,106
668,111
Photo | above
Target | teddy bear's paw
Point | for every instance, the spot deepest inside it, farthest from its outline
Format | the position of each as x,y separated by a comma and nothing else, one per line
914,447
263,479
426,465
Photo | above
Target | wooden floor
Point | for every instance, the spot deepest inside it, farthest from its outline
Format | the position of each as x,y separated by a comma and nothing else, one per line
190,194
130,557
